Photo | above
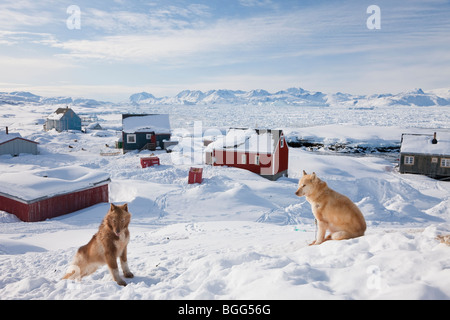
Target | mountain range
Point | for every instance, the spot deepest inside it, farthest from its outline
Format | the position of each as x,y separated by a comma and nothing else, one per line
298,97
291,96
23,97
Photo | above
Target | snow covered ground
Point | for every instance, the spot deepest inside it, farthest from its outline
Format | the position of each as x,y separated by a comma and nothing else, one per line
236,235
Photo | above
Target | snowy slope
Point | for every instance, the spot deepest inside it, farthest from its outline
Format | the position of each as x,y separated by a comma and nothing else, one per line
236,235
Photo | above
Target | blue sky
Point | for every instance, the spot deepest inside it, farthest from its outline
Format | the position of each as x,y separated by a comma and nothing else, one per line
163,47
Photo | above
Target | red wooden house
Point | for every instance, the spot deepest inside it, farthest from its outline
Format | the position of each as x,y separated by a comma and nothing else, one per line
261,151
36,195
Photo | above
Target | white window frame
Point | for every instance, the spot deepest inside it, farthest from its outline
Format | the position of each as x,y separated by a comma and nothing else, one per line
148,136
282,142
243,158
409,160
445,162
131,138
257,160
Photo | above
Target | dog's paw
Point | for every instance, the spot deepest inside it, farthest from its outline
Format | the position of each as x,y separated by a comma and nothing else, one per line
121,282
128,274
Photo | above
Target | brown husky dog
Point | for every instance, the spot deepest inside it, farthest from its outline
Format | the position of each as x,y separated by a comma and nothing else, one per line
333,211
109,243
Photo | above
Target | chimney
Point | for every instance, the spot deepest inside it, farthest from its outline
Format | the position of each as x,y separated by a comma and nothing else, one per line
434,141
7,130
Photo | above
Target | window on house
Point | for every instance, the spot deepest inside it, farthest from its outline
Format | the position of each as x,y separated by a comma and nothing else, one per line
445,162
409,160
282,142
131,138
148,136
257,160
244,159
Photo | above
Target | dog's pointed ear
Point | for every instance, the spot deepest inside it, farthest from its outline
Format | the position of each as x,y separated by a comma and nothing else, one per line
112,207
304,173
313,175
125,207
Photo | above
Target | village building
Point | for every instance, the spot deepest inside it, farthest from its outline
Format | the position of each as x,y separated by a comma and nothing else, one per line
93,126
145,131
262,151
40,194
63,119
427,154
14,144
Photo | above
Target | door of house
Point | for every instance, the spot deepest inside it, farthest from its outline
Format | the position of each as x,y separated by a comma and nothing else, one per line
434,166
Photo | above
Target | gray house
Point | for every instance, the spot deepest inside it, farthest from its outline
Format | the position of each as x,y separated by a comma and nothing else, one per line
14,144
63,119
427,154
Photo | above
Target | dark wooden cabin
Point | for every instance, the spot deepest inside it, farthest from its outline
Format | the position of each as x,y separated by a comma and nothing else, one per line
426,154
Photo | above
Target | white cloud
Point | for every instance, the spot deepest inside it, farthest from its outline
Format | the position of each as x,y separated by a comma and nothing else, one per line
19,14
176,44
153,20
23,37
255,3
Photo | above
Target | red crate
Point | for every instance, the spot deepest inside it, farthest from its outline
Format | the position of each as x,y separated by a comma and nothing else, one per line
195,175
149,162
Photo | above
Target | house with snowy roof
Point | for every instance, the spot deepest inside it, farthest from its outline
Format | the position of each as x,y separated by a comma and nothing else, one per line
14,144
262,151
427,154
145,131
42,193
63,119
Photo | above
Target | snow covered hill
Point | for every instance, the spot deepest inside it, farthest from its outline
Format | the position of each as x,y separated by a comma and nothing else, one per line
236,235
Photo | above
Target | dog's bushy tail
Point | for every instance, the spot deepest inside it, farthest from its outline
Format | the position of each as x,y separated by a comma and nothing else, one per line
68,275
72,273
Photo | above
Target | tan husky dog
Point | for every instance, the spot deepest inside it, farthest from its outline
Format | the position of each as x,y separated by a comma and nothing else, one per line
109,243
333,211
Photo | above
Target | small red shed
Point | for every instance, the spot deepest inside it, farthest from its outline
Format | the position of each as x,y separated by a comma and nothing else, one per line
262,151
36,195
195,175
149,161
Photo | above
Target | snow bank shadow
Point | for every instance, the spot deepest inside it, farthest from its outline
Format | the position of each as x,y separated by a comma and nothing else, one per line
297,213
142,208
91,215
148,281
382,200
12,247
